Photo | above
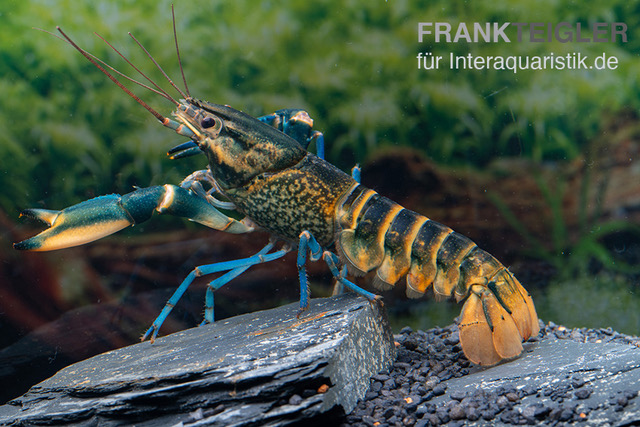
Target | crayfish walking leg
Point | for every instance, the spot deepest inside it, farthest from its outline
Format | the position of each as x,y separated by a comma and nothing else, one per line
234,268
216,284
308,243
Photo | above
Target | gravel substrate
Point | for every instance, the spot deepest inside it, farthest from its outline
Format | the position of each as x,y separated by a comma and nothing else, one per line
415,392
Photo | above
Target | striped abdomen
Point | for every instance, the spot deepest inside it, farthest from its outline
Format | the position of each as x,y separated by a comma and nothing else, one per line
378,234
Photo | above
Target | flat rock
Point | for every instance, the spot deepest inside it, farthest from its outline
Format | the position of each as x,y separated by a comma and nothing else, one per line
587,378
267,367
565,377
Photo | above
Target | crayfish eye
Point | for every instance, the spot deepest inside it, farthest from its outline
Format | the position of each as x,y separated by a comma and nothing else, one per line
208,122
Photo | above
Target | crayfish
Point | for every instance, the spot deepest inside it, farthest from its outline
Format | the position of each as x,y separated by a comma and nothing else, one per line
260,170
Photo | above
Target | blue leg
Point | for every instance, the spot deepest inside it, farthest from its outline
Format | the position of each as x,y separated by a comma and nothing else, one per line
319,137
308,243
332,261
355,173
239,264
338,288
216,284
272,120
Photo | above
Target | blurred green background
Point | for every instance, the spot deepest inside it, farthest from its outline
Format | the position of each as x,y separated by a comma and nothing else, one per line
68,134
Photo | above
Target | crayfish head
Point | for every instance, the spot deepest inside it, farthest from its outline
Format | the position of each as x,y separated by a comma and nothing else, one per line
239,147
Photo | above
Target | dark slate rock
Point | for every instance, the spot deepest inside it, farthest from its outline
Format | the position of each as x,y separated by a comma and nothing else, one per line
583,376
261,368
85,332
555,382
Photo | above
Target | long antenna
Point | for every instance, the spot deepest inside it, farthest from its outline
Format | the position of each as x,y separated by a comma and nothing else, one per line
159,67
113,79
175,38
163,93
166,95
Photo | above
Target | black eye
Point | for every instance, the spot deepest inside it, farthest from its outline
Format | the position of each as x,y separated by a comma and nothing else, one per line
208,122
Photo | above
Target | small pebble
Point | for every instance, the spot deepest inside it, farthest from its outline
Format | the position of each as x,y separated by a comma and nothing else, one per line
607,331
439,390
431,382
583,393
529,411
421,410
434,420
502,402
512,397
458,395
408,421
472,413
452,340
489,414
295,400
381,377
457,413
410,344
622,401
390,412
565,415
369,420
577,382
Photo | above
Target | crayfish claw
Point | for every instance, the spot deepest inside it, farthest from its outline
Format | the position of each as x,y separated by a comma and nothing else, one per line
46,216
77,224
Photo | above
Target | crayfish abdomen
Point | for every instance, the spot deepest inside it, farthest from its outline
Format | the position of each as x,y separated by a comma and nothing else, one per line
379,235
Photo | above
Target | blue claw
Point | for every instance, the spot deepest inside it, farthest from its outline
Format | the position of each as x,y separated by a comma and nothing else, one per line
76,225
105,215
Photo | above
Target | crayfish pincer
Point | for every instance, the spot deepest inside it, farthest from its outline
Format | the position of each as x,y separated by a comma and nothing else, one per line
260,171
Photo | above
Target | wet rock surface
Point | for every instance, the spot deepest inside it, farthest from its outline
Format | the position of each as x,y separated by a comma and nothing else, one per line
267,367
566,376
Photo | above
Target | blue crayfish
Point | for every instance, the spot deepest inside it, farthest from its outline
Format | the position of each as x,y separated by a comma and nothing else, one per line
261,170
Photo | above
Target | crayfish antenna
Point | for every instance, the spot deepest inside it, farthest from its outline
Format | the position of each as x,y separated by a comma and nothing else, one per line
159,90
121,74
175,38
184,95
84,53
